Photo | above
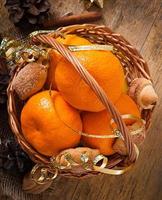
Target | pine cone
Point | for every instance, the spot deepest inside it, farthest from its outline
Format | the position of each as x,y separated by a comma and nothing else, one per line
27,12
4,79
12,157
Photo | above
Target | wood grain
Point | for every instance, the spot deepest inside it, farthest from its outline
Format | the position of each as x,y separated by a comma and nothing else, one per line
132,18
144,181
140,22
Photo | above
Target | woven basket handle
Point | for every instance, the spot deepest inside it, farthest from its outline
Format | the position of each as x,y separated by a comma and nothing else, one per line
46,39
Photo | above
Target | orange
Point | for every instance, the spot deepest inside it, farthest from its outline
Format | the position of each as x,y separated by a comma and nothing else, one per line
44,121
104,66
72,39
54,58
125,87
99,124
126,105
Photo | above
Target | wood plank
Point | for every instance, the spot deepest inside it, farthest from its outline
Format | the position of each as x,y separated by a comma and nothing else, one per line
134,20
61,189
143,181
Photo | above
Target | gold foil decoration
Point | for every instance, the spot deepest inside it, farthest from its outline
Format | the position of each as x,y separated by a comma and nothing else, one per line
115,171
45,173
140,121
74,48
52,33
90,47
115,133
42,174
79,157
35,33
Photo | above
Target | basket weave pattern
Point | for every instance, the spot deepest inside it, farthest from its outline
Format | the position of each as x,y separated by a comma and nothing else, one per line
133,64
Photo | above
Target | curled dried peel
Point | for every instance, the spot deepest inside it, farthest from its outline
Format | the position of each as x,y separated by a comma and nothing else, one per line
30,80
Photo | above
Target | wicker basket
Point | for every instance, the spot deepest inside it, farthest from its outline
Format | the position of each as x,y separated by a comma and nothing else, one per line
134,67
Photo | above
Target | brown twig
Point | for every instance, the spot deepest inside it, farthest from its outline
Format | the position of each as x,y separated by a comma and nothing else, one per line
73,19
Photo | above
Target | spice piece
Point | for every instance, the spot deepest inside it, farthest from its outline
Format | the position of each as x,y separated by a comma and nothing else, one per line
30,80
73,19
142,91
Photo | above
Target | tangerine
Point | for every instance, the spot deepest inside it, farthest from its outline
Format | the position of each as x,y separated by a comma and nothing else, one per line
99,124
104,66
126,106
43,121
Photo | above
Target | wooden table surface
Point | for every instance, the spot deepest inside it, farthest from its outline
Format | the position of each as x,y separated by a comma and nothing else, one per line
140,22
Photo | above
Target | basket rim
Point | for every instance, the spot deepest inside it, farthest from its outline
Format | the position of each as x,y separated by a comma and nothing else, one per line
40,158
112,33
